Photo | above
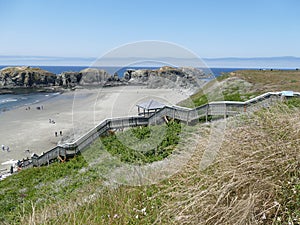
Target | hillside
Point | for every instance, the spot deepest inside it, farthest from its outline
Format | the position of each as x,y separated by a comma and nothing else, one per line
243,85
254,177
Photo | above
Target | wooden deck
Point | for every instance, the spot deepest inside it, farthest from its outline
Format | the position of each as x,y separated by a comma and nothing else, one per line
220,109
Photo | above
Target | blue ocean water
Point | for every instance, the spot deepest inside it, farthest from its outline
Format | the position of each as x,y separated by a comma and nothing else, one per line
111,70
11,101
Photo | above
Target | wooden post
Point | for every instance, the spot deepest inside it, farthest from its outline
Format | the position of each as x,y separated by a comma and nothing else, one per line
187,118
174,110
206,115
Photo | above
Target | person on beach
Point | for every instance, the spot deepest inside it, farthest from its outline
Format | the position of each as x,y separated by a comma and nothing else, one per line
55,134
3,147
7,149
60,132
11,169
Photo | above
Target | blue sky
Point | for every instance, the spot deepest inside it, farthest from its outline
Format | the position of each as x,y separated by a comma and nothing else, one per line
210,28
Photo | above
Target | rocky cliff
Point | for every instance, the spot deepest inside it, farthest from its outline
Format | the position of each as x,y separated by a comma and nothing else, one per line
68,79
11,77
165,77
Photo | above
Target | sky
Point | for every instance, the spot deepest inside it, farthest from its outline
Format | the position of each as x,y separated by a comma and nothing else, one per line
209,28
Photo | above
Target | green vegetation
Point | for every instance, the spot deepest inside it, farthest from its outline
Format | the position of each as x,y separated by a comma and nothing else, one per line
293,102
290,199
195,100
233,88
224,76
267,80
123,205
39,186
52,185
254,178
116,146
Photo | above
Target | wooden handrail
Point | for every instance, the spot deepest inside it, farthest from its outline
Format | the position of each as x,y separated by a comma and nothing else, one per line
175,112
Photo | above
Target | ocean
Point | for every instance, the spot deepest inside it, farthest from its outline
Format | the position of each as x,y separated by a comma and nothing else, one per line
59,69
11,101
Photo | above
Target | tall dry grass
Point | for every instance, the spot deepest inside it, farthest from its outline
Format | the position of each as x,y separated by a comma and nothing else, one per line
246,184
258,158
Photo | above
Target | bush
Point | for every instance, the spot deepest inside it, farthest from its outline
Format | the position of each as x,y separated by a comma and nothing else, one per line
128,155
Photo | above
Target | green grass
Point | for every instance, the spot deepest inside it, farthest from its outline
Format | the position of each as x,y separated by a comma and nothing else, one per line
293,102
39,186
123,205
262,81
195,100
224,76
290,198
248,180
59,182
162,148
276,80
257,160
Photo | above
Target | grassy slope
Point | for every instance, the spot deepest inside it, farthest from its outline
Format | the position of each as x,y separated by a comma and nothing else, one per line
245,84
62,187
255,179
267,80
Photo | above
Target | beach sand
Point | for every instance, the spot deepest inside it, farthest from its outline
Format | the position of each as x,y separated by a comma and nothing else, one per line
74,113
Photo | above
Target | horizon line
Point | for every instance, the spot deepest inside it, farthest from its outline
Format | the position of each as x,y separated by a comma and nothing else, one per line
91,57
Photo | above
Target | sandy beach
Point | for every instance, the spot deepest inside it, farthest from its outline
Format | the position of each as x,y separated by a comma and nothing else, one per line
74,113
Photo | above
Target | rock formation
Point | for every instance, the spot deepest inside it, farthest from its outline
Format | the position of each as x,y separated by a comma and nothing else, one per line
93,76
68,79
11,77
165,77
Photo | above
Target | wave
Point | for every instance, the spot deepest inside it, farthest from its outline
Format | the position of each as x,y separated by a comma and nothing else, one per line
11,101
8,100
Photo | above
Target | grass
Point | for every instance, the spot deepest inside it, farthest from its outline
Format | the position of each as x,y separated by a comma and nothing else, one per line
124,205
119,146
254,178
39,185
275,80
293,102
261,80
46,188
195,100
